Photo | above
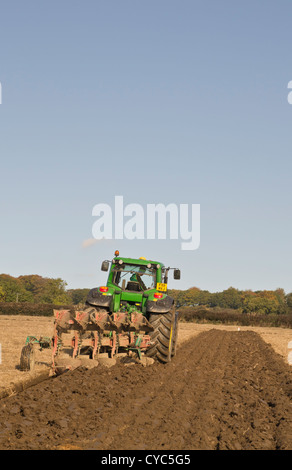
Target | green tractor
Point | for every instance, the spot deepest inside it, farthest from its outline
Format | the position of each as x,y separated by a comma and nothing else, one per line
137,288
131,315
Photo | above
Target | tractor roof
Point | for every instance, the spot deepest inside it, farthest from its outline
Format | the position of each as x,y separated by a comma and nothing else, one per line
140,261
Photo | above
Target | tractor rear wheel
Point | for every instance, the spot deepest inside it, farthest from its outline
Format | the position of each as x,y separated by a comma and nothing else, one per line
164,336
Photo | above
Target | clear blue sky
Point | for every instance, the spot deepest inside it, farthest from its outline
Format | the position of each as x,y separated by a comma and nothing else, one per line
159,101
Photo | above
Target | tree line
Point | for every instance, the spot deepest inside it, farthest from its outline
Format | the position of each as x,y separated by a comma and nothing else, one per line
243,301
34,289
41,290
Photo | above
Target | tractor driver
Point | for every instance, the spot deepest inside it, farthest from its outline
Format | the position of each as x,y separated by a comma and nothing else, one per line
136,281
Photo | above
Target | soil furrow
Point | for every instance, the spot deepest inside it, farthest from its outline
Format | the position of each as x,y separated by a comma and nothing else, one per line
223,390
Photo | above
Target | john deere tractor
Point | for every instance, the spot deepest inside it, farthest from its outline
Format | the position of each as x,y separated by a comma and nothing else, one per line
132,314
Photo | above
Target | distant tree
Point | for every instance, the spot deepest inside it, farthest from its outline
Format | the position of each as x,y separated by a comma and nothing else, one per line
204,297
289,301
281,296
36,285
260,305
2,294
33,288
13,289
78,296
55,292
230,298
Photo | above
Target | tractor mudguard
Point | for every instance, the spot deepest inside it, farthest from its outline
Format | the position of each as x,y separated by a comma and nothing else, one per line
160,306
96,298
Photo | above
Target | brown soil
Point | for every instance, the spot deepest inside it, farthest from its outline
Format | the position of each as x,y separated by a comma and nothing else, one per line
224,390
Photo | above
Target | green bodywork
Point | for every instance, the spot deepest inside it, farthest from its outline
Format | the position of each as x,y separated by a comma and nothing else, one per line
135,300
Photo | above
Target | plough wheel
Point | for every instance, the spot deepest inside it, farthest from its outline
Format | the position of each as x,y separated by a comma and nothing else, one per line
27,358
164,336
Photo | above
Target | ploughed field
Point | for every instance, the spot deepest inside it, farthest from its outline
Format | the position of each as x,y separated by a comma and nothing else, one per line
225,389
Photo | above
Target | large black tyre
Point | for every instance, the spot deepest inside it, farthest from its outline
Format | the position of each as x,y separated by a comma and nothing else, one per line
164,336
27,358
